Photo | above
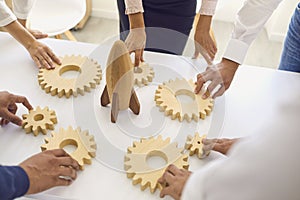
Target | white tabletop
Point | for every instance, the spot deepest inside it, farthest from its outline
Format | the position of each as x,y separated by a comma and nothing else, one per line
246,106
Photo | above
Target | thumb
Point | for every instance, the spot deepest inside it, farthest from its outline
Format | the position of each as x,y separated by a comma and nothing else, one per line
12,118
196,54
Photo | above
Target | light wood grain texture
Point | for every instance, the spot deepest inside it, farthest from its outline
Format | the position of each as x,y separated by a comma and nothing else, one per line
195,145
85,144
139,170
119,82
39,120
166,100
89,76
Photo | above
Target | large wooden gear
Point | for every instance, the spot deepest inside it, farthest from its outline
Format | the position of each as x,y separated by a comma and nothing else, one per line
39,120
136,161
143,74
195,145
166,99
52,81
85,143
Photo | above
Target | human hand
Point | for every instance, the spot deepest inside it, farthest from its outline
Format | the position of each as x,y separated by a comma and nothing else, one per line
220,145
173,181
45,170
135,42
37,34
8,108
42,55
204,45
220,74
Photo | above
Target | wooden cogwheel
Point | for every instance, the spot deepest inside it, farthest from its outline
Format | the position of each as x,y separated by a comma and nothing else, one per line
143,74
39,120
136,161
85,143
166,99
89,75
195,145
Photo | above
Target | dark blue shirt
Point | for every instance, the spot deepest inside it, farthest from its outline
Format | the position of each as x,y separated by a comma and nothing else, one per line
14,182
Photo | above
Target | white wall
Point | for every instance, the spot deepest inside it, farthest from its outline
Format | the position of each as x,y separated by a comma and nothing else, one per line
276,27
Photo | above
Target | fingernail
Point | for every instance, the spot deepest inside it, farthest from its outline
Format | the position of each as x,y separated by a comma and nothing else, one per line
204,96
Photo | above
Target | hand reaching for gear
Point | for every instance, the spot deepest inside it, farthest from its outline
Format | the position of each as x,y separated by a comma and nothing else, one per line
135,42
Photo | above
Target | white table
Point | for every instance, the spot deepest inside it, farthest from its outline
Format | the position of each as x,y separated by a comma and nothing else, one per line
246,106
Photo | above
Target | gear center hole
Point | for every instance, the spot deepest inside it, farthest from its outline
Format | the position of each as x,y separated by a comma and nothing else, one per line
70,71
69,145
156,159
138,70
38,117
185,96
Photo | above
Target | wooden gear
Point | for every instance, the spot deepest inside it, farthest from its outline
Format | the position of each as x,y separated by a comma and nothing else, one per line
39,120
119,82
136,161
85,143
52,81
143,74
195,145
165,97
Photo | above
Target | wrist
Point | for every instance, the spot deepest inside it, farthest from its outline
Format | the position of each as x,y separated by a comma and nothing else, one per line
204,24
230,63
136,20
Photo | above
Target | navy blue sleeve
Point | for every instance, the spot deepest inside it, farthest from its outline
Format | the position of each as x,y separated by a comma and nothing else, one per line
14,182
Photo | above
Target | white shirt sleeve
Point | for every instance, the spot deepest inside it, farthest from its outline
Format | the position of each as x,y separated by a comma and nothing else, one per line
133,6
264,166
250,20
6,15
208,7
21,8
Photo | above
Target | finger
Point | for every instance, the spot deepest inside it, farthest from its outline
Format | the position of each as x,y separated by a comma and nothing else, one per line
68,162
220,92
67,171
142,55
37,62
173,169
12,118
62,182
2,122
58,152
44,63
48,60
24,101
209,141
40,35
13,108
210,88
53,56
137,58
200,83
168,191
196,54
168,177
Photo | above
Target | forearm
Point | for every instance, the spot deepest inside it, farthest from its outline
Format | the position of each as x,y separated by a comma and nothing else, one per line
20,34
136,20
249,22
14,182
204,23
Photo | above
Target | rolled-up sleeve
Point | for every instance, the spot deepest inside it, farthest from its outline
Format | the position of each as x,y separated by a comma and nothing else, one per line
208,7
249,22
21,8
134,6
6,15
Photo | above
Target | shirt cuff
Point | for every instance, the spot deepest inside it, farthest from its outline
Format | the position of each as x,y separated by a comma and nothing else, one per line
208,7
194,186
7,20
236,51
21,15
134,9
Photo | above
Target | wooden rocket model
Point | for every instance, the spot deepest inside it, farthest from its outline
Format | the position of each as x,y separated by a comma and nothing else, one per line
119,82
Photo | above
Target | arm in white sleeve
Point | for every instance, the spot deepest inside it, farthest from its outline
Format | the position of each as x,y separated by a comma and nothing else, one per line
250,20
133,6
21,8
6,15
208,7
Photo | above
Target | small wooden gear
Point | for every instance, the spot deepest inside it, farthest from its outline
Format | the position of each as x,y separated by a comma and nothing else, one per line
85,143
195,145
136,161
143,74
52,81
39,120
166,99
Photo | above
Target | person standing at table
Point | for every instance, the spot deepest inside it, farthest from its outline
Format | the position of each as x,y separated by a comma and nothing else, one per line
37,173
250,20
40,53
168,24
